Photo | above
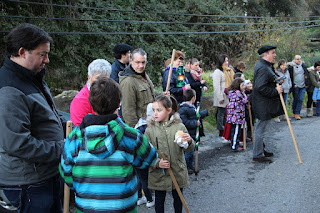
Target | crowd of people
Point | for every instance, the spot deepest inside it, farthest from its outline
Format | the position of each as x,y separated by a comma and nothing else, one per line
127,139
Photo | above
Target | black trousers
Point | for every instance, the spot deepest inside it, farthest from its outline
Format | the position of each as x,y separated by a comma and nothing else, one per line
310,101
161,197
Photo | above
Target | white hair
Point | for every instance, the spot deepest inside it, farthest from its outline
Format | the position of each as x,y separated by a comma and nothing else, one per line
99,67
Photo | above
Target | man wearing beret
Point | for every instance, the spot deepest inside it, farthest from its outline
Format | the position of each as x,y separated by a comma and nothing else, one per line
266,100
122,54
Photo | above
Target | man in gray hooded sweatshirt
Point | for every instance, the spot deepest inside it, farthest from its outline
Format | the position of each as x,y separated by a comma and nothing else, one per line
300,82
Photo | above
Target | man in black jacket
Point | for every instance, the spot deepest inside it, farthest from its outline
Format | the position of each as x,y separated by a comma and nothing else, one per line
266,101
122,54
31,130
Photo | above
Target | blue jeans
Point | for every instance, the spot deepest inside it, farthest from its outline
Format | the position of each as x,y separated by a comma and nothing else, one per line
298,96
42,197
189,159
285,97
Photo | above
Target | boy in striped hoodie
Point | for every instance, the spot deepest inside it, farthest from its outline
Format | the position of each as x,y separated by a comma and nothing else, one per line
99,155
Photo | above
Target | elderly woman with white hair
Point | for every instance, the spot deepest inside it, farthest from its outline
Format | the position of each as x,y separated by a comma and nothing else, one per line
80,105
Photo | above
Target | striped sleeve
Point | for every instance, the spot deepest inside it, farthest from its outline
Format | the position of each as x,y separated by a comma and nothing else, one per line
69,154
144,154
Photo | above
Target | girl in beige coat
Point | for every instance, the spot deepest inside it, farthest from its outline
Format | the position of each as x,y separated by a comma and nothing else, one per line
161,133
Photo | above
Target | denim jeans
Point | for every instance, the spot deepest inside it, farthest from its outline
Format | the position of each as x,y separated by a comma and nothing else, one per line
161,197
285,97
298,96
42,197
189,156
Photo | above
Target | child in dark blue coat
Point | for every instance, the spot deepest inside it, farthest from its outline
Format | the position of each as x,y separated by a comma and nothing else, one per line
188,115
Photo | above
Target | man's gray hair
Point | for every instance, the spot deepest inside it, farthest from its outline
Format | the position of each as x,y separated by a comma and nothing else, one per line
140,51
99,67
261,56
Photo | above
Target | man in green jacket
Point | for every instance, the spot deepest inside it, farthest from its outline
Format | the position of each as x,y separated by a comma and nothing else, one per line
137,89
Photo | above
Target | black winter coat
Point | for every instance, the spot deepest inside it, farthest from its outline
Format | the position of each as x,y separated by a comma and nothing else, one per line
196,85
266,100
188,116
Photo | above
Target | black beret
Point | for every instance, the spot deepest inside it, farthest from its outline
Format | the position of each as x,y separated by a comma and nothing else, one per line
122,48
265,49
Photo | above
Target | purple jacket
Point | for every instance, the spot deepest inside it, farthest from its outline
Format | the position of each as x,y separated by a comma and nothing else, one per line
236,107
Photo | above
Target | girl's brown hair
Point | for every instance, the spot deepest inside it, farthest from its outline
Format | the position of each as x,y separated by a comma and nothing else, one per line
167,102
235,85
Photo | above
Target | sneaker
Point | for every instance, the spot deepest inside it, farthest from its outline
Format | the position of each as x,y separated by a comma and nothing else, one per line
142,200
277,119
239,149
150,204
223,140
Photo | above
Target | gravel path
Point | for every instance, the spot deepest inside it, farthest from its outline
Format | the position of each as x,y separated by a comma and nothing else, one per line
232,182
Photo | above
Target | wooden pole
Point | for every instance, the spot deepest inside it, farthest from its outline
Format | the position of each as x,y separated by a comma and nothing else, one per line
170,70
251,122
176,186
244,136
66,197
290,128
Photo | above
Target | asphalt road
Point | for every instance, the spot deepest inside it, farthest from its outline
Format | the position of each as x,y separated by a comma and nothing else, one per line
232,182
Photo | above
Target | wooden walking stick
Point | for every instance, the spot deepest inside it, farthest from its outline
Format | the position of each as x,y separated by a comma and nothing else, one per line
251,125
66,197
174,180
170,70
176,185
289,124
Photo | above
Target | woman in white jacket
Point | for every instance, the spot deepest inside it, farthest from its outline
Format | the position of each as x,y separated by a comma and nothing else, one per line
222,78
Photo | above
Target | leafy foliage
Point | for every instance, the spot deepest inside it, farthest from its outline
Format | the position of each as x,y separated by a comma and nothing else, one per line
71,53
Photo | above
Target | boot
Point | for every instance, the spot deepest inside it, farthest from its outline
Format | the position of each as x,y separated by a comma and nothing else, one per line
309,114
314,111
